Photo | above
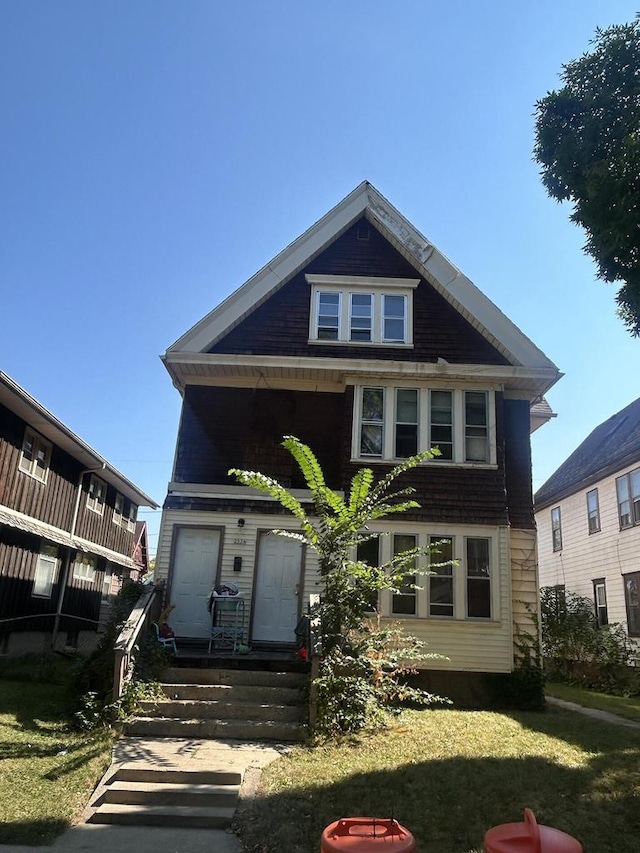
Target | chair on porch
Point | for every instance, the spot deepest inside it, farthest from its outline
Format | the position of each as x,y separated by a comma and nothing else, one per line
167,642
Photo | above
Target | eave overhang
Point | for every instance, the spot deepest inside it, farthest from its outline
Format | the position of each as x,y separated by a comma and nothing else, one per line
333,374
28,409
426,259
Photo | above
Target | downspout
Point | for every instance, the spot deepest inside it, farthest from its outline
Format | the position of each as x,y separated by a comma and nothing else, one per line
64,575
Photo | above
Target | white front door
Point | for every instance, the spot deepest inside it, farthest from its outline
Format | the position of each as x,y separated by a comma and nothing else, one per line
195,565
275,593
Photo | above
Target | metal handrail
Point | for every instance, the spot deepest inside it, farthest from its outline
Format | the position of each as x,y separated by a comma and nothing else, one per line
127,639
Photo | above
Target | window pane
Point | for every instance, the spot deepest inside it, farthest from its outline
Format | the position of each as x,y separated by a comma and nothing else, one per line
406,422
476,448
624,502
632,600
371,440
442,423
632,597
372,404
393,318
404,603
328,316
441,581
478,579
45,572
478,598
593,511
369,552
360,317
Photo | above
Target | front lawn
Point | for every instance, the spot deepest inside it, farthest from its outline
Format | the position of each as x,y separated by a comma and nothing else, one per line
624,707
450,775
47,772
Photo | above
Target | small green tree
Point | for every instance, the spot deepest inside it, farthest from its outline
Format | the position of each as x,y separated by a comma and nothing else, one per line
362,661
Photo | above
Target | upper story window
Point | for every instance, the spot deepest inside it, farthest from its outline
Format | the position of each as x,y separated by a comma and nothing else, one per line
593,511
35,456
361,310
556,529
131,517
96,495
391,423
628,491
118,509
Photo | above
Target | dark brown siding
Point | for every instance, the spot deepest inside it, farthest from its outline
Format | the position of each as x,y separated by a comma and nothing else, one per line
224,428
102,529
281,325
18,559
51,502
518,464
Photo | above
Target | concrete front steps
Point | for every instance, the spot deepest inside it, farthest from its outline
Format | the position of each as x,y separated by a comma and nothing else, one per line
225,704
139,796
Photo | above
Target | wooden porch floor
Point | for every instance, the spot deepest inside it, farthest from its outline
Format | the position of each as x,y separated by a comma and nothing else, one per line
195,653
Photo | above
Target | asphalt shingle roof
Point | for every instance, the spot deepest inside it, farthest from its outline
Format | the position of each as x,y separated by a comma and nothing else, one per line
611,446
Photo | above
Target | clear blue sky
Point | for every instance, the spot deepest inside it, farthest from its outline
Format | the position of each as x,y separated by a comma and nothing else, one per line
155,154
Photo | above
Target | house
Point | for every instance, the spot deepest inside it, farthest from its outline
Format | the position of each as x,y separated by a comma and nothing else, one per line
67,528
588,518
365,342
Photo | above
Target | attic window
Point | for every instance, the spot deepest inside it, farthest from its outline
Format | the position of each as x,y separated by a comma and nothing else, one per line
361,310
363,232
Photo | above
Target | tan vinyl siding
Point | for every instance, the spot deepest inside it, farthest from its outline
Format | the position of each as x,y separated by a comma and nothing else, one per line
470,645
608,553
524,578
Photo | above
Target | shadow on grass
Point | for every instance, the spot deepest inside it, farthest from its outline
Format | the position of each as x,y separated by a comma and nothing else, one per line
33,705
32,832
587,733
449,804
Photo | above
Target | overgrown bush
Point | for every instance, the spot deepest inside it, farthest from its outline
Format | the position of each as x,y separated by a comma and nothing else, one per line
361,674
579,651
93,685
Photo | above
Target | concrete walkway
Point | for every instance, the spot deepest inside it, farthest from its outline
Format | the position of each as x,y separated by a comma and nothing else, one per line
165,754
605,716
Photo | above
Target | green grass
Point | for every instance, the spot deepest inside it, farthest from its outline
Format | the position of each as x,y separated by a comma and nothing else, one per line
47,772
448,776
624,707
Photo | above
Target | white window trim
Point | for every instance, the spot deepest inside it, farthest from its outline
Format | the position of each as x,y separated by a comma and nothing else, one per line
85,568
29,467
93,504
118,512
424,443
459,535
556,514
48,561
377,288
131,519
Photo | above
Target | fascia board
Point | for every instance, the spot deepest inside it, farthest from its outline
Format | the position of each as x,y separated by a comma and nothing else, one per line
543,376
251,294
456,288
454,285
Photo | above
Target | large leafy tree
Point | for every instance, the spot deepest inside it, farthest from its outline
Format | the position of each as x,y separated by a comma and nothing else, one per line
588,145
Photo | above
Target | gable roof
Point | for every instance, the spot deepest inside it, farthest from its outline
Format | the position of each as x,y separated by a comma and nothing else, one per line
26,407
613,445
428,261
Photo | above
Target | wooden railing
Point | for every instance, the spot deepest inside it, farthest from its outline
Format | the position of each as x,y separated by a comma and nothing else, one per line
144,612
314,653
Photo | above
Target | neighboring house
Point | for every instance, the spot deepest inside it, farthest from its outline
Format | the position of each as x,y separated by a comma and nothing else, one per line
588,517
364,341
67,528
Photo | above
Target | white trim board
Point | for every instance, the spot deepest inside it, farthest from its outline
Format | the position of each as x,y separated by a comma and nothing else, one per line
430,263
